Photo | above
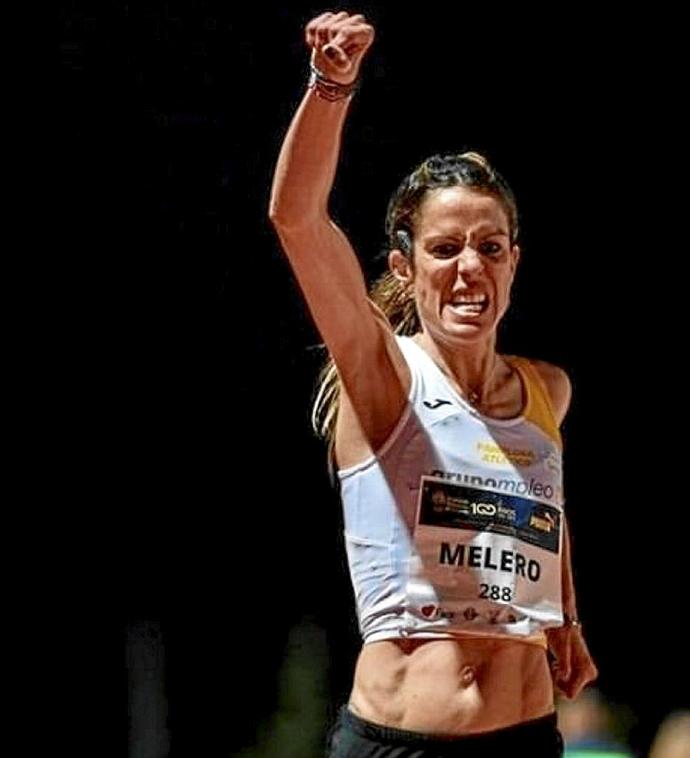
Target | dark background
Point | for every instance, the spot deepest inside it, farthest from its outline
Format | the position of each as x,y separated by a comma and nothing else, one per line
184,360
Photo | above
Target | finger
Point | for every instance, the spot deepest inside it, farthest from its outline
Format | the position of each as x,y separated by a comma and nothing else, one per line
353,40
577,684
353,33
566,658
325,31
342,20
583,672
311,29
568,686
356,17
338,57
317,21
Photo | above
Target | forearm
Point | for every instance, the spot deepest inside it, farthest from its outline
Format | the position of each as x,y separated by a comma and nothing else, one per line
308,159
572,666
568,583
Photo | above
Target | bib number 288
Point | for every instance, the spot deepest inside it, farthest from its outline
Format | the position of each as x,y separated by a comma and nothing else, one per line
494,592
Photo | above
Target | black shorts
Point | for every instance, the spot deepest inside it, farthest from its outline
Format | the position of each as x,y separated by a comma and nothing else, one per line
353,737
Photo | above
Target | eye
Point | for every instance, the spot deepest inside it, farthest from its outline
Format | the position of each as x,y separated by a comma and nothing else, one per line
447,250
490,248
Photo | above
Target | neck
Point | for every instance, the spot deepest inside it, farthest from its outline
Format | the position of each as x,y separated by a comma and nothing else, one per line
473,368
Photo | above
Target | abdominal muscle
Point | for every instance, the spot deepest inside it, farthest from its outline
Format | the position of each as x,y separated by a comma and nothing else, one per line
451,687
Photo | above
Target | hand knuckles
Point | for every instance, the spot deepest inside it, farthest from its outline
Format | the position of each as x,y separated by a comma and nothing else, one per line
320,19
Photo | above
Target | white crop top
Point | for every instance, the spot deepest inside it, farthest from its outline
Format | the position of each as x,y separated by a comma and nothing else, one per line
454,527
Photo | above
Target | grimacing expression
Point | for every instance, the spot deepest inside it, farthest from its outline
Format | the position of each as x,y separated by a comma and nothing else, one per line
464,264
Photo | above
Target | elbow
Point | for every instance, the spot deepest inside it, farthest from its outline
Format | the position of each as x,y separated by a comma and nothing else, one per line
295,209
274,205
273,210
280,221
276,215
293,218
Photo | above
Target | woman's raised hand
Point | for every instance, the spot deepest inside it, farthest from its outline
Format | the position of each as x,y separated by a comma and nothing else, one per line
338,42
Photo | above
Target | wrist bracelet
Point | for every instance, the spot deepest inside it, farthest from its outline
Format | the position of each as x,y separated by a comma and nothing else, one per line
326,88
571,620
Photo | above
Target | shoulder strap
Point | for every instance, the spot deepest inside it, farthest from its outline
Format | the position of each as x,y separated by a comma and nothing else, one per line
539,409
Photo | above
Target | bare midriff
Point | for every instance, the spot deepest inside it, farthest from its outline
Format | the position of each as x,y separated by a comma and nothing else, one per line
451,687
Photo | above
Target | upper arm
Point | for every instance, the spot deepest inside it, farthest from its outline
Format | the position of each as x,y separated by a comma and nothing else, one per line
560,392
331,281
357,334
558,386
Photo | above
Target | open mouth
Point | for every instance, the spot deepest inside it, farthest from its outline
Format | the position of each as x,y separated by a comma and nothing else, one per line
469,305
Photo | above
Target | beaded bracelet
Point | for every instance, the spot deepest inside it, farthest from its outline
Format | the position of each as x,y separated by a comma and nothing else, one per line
326,88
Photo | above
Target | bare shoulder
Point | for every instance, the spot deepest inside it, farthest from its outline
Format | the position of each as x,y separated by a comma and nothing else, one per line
558,386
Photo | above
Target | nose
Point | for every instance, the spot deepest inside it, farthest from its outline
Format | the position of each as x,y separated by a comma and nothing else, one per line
470,262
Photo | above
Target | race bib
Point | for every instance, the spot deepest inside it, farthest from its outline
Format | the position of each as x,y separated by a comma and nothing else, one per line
487,560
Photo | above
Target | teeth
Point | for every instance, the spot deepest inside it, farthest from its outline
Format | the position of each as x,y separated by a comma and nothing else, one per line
460,299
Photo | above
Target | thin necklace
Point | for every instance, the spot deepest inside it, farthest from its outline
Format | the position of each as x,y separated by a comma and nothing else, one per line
473,397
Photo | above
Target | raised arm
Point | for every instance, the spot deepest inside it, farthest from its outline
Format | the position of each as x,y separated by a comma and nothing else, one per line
309,155
321,256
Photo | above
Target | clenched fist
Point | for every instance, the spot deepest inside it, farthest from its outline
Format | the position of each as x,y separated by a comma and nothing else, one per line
338,42
572,667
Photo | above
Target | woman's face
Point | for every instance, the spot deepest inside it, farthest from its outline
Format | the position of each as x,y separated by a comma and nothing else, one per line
464,264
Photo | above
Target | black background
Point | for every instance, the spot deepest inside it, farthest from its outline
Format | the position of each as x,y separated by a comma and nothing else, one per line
184,360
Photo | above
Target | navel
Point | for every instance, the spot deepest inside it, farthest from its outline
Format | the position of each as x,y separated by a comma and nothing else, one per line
467,675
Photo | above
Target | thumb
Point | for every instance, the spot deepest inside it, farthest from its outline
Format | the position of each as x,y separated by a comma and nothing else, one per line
336,55
566,662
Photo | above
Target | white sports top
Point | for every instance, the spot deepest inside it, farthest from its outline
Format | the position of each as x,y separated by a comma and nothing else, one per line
455,526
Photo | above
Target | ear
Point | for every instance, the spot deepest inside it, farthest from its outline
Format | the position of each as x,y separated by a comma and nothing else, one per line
400,266
514,258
